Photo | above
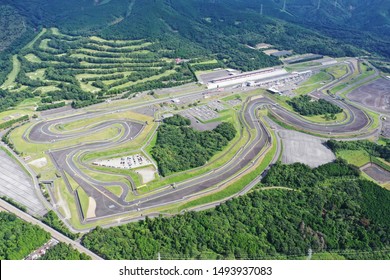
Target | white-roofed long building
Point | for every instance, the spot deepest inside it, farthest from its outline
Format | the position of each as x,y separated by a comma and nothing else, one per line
246,77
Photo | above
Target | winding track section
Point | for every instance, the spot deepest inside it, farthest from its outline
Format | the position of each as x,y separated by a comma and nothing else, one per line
110,205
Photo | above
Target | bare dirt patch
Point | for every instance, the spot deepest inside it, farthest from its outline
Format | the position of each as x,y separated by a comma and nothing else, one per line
375,95
147,174
39,163
377,173
92,208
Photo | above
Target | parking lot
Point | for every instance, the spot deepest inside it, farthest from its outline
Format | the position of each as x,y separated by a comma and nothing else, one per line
234,102
216,105
202,113
197,124
17,185
128,162
303,148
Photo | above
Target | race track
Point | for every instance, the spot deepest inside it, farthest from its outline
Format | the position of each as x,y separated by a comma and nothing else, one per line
68,161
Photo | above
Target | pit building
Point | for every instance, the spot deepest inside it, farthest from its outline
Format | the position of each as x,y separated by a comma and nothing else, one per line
246,77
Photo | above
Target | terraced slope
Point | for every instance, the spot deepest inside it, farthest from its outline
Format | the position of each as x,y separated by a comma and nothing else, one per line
61,66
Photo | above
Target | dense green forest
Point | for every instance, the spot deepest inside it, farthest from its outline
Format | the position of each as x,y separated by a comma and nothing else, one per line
374,149
10,123
199,30
64,251
12,26
208,27
14,203
180,147
305,106
8,100
50,106
52,220
18,238
328,209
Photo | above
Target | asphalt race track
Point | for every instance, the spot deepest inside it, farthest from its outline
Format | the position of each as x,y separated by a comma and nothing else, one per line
107,204
356,123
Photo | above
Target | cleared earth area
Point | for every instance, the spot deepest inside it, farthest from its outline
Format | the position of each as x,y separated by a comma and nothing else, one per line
15,184
377,173
375,95
303,148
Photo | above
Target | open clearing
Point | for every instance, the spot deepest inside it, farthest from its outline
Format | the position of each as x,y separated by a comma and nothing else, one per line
16,184
299,147
375,95
39,163
91,208
314,82
148,174
12,76
355,157
377,173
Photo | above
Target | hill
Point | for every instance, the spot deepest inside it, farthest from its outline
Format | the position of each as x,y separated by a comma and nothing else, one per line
204,28
217,26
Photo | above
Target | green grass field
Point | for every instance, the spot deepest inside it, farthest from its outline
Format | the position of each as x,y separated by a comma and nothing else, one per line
14,114
10,82
117,190
337,71
340,117
338,88
104,177
358,158
314,82
327,256
211,61
29,45
32,58
84,201
36,75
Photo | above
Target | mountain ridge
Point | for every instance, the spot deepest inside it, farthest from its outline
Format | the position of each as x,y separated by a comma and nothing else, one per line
221,28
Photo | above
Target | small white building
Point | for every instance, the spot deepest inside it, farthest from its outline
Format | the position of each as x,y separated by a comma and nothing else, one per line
168,115
273,91
176,100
